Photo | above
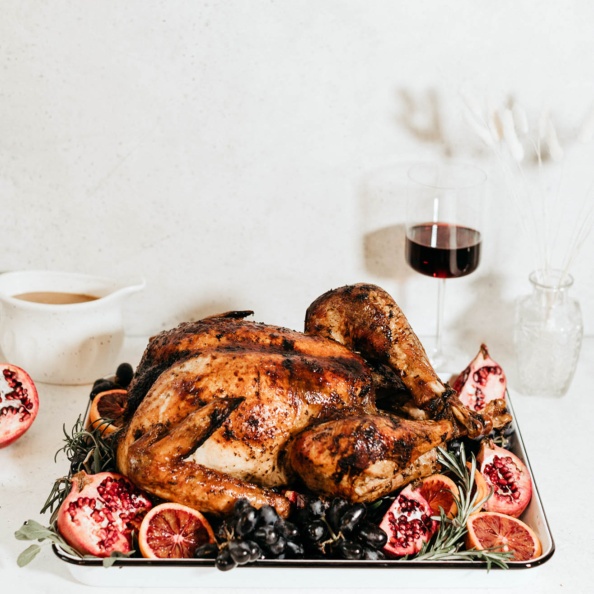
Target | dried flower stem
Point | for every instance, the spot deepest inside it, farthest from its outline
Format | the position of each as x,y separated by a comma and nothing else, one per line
506,130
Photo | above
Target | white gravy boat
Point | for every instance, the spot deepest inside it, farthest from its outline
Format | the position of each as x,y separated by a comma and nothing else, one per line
72,343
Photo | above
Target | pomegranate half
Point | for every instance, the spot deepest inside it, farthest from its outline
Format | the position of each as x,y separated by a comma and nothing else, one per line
509,478
99,514
408,523
482,381
19,403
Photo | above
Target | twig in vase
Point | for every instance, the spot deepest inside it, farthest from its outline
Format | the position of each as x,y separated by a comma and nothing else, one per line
542,209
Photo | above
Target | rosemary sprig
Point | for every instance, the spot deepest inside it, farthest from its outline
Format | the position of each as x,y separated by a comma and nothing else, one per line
60,489
86,450
447,543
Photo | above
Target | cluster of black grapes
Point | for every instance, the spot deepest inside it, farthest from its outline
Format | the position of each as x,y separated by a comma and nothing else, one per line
249,534
319,529
339,529
121,379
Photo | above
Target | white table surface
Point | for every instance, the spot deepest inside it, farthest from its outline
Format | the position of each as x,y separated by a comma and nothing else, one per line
557,433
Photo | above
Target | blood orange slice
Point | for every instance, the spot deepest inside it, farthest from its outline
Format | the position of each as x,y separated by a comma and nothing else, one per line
107,411
492,530
440,492
173,531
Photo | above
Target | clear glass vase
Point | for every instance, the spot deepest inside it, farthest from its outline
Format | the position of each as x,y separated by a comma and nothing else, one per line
547,334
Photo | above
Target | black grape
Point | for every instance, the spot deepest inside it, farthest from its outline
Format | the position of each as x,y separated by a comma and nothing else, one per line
239,551
124,374
224,561
371,535
247,520
268,515
352,516
372,554
349,549
278,547
316,508
334,514
316,531
266,535
288,530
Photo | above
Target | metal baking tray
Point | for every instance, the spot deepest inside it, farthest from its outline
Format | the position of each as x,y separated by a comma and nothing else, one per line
326,573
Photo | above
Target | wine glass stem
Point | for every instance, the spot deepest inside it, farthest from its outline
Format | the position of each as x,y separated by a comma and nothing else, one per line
438,352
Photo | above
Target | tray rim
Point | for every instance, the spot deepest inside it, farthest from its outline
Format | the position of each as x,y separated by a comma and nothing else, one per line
310,564
306,563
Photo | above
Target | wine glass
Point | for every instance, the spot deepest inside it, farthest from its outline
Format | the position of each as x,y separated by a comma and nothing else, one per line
443,228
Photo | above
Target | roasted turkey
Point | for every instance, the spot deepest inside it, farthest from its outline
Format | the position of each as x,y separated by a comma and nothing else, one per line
225,408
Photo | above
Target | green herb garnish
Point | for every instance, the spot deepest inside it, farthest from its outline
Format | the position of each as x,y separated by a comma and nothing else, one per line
448,542
32,530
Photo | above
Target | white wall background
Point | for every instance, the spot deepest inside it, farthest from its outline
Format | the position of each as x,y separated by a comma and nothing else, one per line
251,154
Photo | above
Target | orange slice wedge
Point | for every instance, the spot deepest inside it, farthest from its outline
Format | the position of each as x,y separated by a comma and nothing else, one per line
440,492
173,531
480,489
107,411
492,530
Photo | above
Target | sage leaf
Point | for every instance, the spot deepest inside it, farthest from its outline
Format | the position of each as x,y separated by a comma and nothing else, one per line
28,555
32,530
109,561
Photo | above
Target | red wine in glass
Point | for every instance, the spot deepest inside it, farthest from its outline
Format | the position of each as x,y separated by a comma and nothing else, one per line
442,250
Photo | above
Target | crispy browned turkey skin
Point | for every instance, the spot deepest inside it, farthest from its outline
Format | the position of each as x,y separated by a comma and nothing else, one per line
208,461
364,457
225,408
367,319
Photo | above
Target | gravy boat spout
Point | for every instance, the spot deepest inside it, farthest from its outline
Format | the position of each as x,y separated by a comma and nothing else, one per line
123,288
63,327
